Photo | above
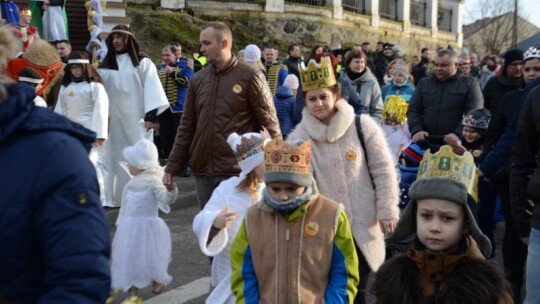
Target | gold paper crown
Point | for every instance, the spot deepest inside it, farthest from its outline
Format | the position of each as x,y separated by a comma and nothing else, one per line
251,146
25,12
395,109
317,76
447,163
282,157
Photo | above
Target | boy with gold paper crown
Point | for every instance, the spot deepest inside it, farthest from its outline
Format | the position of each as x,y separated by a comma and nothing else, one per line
295,245
445,261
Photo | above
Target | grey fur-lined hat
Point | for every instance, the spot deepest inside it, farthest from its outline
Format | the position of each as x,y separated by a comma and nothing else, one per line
446,188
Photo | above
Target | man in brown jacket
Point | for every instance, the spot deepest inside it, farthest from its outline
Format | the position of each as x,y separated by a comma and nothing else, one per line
228,96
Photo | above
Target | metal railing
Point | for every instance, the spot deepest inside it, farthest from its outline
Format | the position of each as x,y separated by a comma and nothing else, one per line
388,9
355,6
418,13
308,2
444,19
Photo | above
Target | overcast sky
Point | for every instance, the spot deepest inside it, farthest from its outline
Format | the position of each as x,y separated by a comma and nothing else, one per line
527,8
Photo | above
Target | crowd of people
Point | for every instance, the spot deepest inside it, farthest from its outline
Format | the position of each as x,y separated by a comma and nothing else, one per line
315,175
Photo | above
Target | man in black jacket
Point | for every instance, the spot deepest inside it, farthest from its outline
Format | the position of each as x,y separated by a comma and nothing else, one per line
424,67
510,78
525,186
294,59
439,102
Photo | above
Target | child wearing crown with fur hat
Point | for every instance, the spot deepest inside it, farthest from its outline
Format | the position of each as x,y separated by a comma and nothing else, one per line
142,247
475,123
445,259
295,245
217,224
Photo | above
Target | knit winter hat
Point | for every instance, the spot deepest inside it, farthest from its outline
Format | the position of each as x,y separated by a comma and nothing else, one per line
477,119
511,56
289,163
248,149
143,155
402,68
387,46
291,82
252,53
437,187
413,154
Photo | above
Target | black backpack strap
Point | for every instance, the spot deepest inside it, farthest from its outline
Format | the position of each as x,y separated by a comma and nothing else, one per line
363,144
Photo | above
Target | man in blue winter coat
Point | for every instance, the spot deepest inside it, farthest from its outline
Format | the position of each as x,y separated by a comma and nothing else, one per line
54,239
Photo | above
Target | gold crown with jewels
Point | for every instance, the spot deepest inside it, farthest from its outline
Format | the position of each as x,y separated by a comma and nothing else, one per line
317,75
446,163
25,12
280,156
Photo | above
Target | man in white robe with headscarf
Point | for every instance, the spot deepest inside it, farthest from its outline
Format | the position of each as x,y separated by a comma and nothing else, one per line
135,93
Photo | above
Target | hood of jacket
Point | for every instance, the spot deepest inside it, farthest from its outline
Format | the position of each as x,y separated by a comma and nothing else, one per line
283,92
507,82
19,114
336,128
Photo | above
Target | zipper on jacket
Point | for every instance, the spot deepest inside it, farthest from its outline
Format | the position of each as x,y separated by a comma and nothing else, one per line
437,292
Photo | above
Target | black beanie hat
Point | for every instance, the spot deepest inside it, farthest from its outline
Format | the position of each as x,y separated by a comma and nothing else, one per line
511,56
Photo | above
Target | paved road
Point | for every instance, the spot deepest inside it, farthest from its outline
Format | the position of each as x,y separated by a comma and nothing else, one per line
189,267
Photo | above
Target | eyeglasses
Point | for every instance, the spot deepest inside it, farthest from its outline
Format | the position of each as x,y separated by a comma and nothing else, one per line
76,67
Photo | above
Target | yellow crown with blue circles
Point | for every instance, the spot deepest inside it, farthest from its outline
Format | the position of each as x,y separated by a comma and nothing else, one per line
446,163
317,75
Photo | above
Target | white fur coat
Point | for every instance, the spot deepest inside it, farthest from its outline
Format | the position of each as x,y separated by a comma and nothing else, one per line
340,170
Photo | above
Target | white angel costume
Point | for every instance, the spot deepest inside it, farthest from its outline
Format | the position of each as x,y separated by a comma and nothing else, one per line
88,104
249,150
142,246
134,91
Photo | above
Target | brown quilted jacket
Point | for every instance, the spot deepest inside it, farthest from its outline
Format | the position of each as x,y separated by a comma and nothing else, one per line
235,99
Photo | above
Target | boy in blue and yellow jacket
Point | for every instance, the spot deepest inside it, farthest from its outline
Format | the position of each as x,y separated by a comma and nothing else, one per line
295,245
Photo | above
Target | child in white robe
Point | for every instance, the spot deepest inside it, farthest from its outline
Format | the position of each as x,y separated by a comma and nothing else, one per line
225,210
394,125
83,99
142,246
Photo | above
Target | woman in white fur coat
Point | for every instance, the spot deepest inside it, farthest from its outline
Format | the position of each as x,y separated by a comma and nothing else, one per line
222,216
369,190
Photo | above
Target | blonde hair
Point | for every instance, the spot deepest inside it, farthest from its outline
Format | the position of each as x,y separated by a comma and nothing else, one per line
8,49
249,183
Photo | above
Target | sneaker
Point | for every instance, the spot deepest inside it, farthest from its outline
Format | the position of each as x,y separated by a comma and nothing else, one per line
157,288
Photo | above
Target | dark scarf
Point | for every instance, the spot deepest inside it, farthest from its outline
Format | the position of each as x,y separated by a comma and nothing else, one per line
78,79
353,75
